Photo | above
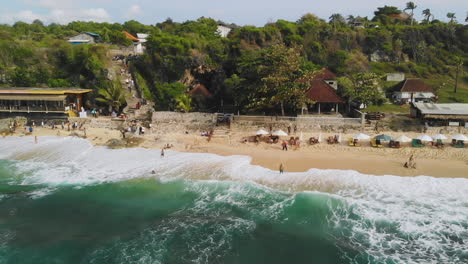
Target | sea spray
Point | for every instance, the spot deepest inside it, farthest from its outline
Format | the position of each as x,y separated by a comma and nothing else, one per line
204,208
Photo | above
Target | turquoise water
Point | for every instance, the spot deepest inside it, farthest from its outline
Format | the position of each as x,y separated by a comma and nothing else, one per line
65,201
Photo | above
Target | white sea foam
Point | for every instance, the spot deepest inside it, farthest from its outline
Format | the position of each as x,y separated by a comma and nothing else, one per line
407,219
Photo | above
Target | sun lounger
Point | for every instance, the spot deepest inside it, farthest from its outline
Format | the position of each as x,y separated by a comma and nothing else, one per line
458,144
417,143
351,142
439,143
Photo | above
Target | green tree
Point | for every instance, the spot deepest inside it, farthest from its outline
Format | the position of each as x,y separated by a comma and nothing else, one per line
337,20
184,102
427,14
451,16
112,95
284,81
22,78
411,6
361,87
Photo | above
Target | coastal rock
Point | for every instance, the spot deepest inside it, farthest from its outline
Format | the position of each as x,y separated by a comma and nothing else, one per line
116,143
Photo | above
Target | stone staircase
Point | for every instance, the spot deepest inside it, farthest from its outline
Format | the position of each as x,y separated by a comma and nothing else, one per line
133,97
221,132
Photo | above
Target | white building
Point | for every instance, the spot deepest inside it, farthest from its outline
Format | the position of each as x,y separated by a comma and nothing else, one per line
223,31
139,47
413,90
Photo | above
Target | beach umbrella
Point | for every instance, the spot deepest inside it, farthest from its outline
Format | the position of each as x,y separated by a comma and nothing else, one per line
460,137
383,137
439,136
339,138
320,138
300,137
361,136
403,139
425,138
279,133
262,132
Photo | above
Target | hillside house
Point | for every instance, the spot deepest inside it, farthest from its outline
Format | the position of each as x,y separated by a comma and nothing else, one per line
85,38
139,47
223,31
413,90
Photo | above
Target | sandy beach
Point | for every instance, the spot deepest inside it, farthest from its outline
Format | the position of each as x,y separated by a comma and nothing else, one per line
446,162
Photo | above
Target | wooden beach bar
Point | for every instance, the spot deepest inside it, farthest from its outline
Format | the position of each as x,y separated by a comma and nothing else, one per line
28,101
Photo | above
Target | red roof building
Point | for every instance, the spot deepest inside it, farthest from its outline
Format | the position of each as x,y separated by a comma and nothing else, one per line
323,91
130,36
325,74
413,90
414,85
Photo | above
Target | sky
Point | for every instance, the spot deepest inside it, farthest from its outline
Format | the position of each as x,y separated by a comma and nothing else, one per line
241,12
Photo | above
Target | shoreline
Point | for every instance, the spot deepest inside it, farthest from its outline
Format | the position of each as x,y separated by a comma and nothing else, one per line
442,163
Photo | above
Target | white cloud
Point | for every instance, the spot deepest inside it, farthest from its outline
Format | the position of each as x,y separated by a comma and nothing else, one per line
134,10
53,4
61,16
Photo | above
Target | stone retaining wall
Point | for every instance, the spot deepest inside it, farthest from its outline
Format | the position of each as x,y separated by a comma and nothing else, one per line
98,122
181,122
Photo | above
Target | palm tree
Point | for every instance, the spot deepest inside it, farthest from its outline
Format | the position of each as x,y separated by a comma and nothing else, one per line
112,95
411,6
337,19
184,103
427,14
451,16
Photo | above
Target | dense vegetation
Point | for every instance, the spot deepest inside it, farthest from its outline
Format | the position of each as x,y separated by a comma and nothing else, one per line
254,68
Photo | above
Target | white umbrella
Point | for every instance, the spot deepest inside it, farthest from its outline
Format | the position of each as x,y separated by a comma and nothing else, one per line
425,138
300,137
320,138
403,139
339,138
439,136
262,132
279,133
361,136
460,137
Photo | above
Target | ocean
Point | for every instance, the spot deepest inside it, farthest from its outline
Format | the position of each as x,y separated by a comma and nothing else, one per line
65,201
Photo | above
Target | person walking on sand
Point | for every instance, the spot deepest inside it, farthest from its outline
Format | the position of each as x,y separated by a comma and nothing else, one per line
162,153
284,145
281,168
410,164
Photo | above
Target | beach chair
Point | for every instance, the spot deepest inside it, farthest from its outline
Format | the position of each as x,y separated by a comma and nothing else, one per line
351,142
373,143
356,143
439,143
379,144
459,144
416,143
